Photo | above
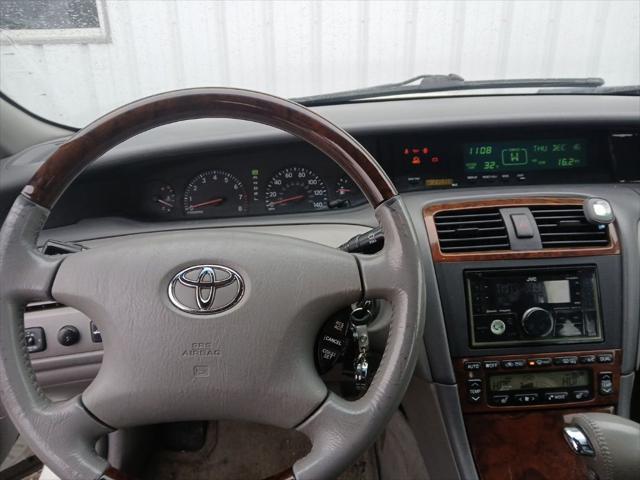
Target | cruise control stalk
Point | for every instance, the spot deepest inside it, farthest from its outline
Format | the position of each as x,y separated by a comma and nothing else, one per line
367,242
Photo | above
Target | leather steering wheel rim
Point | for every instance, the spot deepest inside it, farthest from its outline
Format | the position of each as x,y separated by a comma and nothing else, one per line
63,434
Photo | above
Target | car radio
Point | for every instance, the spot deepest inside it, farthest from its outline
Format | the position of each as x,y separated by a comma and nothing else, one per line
533,306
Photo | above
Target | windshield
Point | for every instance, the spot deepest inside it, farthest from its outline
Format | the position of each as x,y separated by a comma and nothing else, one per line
70,61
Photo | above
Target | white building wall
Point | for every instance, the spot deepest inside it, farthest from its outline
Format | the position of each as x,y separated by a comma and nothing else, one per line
297,48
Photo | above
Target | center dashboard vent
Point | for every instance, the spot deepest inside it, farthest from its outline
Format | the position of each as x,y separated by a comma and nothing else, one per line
565,226
471,230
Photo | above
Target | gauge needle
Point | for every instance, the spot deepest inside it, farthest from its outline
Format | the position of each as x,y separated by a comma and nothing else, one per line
342,191
287,200
213,201
164,202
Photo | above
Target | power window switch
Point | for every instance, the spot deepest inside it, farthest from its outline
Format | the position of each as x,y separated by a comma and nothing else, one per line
35,339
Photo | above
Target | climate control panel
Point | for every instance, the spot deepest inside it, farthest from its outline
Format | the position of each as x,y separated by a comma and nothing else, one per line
550,380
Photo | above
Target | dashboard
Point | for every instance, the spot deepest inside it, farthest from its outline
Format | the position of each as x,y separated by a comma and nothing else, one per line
290,178
528,329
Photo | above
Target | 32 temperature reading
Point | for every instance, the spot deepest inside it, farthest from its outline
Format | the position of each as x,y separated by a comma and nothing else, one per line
525,156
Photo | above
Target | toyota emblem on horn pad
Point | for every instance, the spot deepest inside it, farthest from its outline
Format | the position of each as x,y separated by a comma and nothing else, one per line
206,289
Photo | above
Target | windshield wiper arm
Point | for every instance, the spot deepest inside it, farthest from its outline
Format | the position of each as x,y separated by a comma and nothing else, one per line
443,83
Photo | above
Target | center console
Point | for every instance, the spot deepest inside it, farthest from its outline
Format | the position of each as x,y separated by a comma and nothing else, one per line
532,300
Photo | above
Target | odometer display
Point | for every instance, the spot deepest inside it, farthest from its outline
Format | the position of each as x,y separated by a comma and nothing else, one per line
525,156
215,193
295,189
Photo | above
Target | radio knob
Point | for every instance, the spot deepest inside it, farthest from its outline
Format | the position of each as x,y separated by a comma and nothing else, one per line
537,322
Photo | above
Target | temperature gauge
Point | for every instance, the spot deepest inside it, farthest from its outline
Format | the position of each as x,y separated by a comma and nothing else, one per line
347,192
163,198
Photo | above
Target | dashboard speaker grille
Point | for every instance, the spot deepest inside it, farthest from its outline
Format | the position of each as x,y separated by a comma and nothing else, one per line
565,226
471,230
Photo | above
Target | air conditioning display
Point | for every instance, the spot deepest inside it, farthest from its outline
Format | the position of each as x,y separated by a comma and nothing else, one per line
525,156
539,381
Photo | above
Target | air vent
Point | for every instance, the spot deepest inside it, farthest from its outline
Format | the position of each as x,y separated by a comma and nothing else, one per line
54,247
40,306
565,226
471,230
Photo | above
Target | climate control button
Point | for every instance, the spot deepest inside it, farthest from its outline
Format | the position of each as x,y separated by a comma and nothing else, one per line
474,390
518,363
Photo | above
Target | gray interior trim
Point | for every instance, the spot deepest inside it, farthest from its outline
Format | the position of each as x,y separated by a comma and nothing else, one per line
329,234
624,397
422,408
450,404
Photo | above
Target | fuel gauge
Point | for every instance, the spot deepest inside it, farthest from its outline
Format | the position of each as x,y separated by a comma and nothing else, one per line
347,193
163,198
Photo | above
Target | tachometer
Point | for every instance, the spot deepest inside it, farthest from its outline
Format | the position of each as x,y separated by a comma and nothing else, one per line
295,189
215,193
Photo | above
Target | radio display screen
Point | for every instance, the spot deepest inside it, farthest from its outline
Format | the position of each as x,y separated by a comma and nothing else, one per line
546,291
525,156
538,381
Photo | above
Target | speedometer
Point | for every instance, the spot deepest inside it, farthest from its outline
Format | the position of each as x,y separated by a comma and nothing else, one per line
215,193
295,189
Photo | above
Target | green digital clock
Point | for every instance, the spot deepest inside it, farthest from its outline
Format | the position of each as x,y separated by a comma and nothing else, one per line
525,156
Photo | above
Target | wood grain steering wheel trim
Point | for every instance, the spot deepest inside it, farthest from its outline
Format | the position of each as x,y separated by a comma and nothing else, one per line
73,156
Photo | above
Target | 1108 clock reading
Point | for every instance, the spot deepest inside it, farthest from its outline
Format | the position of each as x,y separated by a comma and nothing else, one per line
525,156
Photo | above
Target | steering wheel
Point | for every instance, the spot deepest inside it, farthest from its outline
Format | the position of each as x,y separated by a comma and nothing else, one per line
206,324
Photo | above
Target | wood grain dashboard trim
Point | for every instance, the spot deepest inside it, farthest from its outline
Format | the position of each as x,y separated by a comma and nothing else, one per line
525,445
598,400
429,212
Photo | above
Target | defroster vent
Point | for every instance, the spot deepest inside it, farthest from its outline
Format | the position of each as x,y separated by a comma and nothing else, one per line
471,230
565,226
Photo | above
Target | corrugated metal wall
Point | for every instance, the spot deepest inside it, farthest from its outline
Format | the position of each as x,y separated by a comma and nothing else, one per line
295,48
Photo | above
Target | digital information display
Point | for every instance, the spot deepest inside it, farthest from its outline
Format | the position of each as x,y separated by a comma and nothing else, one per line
547,291
525,156
538,380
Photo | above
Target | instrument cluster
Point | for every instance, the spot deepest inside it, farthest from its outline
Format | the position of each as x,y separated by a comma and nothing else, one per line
238,186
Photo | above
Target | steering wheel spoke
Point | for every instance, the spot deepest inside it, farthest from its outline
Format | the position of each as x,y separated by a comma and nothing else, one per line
71,428
32,273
